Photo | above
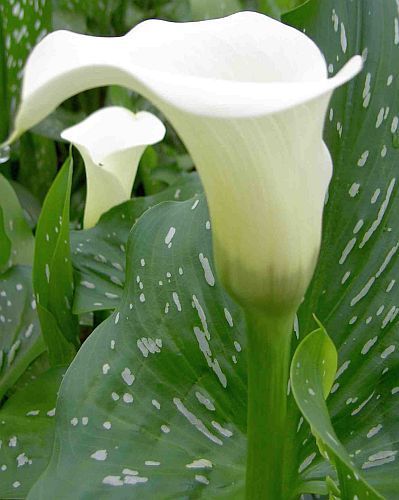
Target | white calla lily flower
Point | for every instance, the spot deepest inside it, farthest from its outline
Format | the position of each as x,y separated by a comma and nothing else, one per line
111,142
248,96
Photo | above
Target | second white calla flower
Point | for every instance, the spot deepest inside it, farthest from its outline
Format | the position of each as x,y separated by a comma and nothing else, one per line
111,142
248,96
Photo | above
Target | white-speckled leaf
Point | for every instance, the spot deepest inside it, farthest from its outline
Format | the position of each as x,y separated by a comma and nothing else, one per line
99,253
24,24
354,292
26,434
20,339
155,399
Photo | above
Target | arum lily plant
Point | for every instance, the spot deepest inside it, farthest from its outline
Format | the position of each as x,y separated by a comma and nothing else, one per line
248,96
111,142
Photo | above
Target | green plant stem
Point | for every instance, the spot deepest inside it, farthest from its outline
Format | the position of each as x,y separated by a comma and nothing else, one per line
269,341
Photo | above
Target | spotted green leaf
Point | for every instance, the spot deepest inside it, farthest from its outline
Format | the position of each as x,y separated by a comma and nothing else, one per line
155,400
52,271
354,291
313,369
20,339
23,25
99,253
26,434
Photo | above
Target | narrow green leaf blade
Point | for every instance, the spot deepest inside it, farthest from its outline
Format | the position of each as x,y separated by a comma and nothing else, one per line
52,272
312,372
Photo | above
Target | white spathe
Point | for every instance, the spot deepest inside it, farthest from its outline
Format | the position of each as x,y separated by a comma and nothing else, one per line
111,142
248,96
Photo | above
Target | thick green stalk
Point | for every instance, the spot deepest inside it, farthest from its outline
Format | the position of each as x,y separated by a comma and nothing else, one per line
269,340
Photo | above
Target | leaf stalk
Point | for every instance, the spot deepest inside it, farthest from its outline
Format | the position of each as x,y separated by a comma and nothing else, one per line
269,343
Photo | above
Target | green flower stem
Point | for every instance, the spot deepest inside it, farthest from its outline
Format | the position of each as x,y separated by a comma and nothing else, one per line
269,341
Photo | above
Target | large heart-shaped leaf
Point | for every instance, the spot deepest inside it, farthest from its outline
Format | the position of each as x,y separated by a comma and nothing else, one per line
354,292
26,434
156,398
99,253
